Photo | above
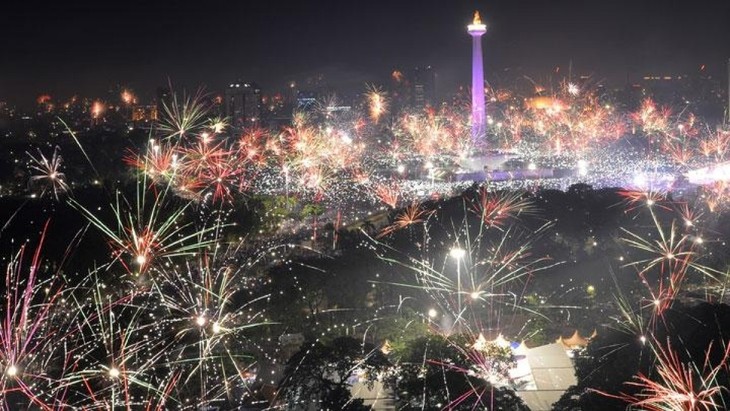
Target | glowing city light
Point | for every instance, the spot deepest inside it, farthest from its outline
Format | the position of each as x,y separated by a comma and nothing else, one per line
457,253
582,168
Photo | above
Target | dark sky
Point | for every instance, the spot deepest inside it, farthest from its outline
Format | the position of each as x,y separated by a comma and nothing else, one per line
86,47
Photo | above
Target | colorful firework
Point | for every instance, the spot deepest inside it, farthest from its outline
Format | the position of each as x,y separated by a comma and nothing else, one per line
204,310
411,215
679,385
37,337
377,103
145,232
49,175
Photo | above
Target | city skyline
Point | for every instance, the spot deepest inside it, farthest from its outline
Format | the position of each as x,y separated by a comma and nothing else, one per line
98,45
365,206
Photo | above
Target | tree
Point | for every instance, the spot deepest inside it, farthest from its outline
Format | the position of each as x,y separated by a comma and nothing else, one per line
434,374
312,210
321,374
268,212
695,334
400,329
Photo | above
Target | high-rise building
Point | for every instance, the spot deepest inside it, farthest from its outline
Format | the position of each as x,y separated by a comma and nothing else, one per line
163,101
143,115
243,105
424,87
292,93
698,91
478,112
399,91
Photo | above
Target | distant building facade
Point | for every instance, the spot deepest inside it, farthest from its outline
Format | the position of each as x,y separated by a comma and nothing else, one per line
144,115
425,91
243,104
163,99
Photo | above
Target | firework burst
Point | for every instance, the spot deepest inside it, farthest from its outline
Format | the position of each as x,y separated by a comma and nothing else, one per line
377,103
48,173
409,216
679,385
36,336
205,308
146,231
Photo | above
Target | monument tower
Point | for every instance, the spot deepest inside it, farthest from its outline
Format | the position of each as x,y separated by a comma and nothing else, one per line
478,113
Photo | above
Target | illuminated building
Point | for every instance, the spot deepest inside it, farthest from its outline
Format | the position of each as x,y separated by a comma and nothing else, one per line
306,100
666,89
144,114
698,91
243,105
478,111
337,108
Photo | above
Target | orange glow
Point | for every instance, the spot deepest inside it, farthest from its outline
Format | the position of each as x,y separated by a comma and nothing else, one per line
377,102
128,97
502,95
97,109
477,27
545,103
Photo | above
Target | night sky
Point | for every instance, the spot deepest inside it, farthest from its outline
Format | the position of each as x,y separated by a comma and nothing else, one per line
87,47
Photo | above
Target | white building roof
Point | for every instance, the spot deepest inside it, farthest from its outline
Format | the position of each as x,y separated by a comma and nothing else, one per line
543,375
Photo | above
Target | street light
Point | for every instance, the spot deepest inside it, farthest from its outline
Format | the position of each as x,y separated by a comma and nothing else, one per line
114,372
458,253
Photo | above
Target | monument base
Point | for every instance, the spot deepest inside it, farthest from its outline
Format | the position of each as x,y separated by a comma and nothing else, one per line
485,161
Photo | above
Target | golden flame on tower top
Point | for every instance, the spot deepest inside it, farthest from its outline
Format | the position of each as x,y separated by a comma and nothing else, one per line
477,18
